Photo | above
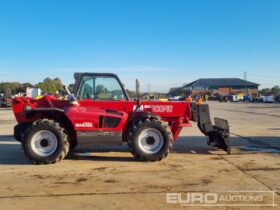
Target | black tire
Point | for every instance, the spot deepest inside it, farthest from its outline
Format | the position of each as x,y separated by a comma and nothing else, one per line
59,152
134,141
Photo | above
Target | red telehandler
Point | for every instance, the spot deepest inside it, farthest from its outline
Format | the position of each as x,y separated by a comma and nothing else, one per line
99,112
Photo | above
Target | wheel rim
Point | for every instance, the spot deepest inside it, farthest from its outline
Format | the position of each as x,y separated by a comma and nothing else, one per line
151,140
44,143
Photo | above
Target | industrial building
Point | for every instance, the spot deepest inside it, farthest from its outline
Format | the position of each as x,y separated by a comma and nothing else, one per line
223,86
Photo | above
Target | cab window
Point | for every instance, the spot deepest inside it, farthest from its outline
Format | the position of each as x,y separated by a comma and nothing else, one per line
100,88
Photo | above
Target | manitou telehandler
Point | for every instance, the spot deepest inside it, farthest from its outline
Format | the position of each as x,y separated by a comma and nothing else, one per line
99,112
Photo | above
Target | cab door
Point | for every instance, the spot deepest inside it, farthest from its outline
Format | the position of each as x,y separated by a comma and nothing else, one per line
103,91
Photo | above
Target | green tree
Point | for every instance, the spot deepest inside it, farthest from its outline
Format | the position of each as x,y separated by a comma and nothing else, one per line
100,89
265,91
50,86
71,88
275,90
131,93
11,88
47,79
176,91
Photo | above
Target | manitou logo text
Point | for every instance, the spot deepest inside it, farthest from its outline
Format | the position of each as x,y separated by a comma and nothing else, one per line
156,108
84,125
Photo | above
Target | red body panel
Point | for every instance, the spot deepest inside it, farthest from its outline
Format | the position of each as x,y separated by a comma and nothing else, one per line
85,116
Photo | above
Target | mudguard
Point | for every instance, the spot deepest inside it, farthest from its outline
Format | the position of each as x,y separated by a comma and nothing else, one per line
142,115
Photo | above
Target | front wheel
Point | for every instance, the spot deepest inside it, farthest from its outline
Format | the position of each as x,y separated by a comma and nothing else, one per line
150,140
46,142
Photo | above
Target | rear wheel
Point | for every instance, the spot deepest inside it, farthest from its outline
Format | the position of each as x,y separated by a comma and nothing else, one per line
46,142
150,140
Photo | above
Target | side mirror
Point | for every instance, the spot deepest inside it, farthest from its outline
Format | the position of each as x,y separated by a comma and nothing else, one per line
72,100
71,97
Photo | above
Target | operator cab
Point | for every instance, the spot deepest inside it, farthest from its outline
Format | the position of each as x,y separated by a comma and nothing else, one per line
99,86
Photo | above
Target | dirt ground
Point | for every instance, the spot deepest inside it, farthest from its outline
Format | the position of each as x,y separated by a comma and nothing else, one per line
109,178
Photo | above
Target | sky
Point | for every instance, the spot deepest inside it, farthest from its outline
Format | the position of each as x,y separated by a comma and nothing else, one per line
163,43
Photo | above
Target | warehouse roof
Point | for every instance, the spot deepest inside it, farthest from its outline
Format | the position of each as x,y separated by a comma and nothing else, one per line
221,82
